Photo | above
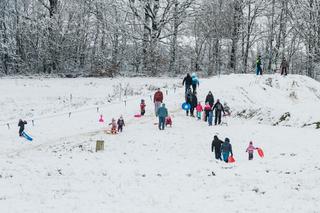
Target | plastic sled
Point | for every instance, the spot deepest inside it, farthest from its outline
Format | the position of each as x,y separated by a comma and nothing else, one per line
26,136
260,152
101,119
110,132
137,116
231,159
186,106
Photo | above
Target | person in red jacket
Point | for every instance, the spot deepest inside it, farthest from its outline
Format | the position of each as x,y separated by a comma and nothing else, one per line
157,100
142,107
199,109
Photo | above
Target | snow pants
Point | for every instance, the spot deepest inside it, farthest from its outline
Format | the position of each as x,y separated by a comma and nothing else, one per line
194,88
225,156
199,115
217,119
210,118
250,156
284,71
259,70
162,121
217,153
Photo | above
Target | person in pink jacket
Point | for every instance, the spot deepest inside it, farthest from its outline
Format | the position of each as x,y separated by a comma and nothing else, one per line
250,150
199,109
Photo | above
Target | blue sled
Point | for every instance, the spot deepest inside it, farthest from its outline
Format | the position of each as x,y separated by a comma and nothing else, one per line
26,136
186,106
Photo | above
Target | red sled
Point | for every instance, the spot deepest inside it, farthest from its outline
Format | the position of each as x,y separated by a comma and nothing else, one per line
260,152
137,116
231,159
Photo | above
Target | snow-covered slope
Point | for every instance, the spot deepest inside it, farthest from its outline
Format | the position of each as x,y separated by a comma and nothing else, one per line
147,170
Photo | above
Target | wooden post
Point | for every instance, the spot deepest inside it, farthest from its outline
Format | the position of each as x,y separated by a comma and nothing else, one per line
99,145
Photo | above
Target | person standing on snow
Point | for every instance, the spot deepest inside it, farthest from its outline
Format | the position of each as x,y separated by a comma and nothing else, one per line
216,144
218,112
162,114
210,99
226,150
284,66
250,150
194,102
189,100
207,110
157,100
199,109
120,124
142,107
259,64
21,125
195,82
187,81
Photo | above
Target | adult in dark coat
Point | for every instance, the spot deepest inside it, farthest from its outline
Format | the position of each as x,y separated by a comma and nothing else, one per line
194,103
284,67
187,81
218,107
21,125
216,144
189,100
210,99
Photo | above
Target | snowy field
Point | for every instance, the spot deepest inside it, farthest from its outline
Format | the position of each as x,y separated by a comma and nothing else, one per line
147,170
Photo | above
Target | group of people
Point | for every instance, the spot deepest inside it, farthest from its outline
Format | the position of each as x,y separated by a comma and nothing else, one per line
161,111
117,126
284,66
211,108
223,149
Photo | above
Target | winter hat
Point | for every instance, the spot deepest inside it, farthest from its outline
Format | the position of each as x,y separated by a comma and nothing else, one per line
163,105
250,143
227,140
194,75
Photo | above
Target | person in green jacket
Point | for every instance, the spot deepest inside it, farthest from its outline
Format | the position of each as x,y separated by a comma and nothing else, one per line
162,114
259,64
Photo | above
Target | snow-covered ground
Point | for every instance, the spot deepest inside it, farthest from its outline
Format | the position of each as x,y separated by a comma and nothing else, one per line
147,170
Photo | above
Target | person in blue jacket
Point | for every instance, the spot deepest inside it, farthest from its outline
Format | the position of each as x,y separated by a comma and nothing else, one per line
226,150
162,114
195,82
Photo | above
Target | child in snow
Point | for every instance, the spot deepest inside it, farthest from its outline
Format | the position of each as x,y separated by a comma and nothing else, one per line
207,109
120,124
250,150
226,109
199,110
142,107
21,125
168,121
113,126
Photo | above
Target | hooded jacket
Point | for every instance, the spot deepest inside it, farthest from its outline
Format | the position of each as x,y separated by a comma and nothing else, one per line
162,111
216,143
226,146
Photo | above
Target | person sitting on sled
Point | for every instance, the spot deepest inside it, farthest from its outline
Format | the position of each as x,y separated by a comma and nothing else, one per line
142,107
250,150
113,126
168,121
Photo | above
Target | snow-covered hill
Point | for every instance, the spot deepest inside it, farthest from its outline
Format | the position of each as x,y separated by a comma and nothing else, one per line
147,170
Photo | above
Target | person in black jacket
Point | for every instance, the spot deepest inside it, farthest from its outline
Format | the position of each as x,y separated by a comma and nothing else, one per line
21,125
218,107
189,100
194,103
187,81
216,143
210,99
